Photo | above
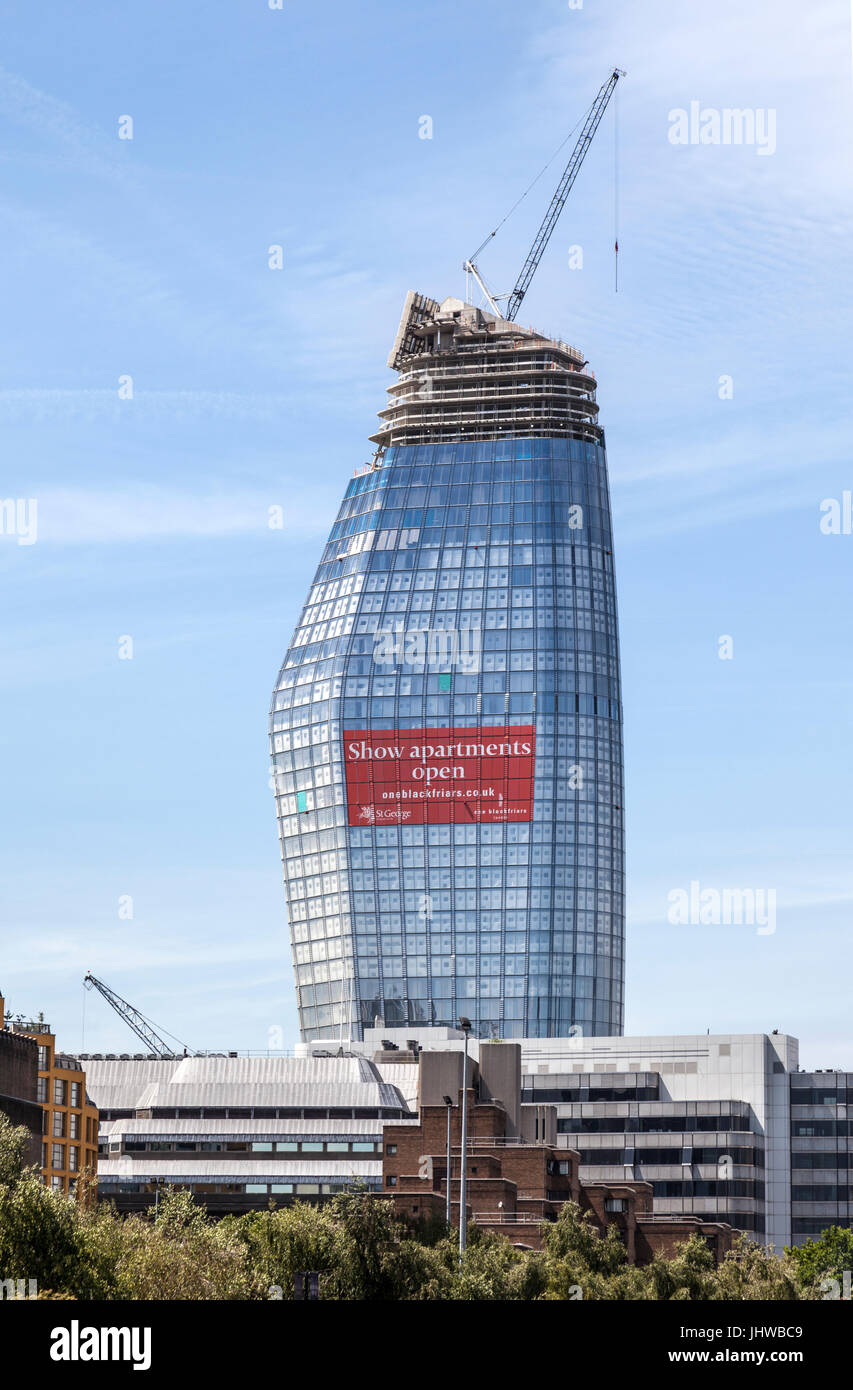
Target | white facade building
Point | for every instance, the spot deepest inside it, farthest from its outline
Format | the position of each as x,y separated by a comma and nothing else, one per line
705,1119
717,1124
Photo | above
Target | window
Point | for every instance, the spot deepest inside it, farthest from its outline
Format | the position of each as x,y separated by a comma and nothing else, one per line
614,1204
75,1093
390,1181
73,1126
73,1158
41,1093
60,1092
58,1128
391,1148
44,1058
56,1159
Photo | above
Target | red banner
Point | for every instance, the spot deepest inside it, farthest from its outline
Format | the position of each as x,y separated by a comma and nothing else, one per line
433,776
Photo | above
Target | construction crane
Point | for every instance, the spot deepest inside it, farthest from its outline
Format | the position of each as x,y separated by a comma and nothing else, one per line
133,1018
543,236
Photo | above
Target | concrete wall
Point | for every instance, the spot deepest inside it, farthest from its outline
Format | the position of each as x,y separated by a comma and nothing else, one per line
500,1079
440,1075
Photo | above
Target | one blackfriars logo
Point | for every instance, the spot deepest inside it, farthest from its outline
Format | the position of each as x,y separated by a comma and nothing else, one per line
76,1343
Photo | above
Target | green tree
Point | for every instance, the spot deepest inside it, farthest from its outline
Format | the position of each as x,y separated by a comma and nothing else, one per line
280,1242
689,1274
39,1235
820,1264
368,1237
583,1264
363,1252
181,1254
493,1270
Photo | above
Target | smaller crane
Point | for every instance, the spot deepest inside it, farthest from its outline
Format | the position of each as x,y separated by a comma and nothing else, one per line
133,1018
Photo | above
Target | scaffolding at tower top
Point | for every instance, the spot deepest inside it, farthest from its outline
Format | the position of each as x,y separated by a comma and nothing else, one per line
465,374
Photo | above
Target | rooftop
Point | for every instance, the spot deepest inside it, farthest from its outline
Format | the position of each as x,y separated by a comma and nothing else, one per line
465,374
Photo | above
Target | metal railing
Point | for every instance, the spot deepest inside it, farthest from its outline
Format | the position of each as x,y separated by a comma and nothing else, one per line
483,1144
502,1218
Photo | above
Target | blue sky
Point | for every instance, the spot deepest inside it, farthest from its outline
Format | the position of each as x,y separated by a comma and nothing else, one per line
254,387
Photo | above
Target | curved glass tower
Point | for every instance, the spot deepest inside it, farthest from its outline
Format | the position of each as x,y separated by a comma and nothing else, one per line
446,727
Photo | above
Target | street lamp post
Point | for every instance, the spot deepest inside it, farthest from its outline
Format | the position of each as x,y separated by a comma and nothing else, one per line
448,1100
465,1025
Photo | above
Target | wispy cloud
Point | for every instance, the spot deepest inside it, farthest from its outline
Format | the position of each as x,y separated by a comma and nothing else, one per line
67,404
79,517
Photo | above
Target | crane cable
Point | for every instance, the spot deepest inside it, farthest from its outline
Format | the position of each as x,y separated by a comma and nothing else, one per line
531,186
158,1028
616,182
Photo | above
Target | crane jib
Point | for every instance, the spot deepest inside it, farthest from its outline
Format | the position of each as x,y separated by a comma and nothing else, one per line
564,188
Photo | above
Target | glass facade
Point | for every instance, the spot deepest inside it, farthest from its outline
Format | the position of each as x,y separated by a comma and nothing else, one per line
821,1153
446,742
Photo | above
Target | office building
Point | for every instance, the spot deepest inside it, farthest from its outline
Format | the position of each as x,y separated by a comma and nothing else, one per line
239,1131
446,727
821,1152
706,1120
711,1131
518,1176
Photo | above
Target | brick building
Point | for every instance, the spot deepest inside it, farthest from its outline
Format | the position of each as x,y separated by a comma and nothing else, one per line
517,1177
19,1085
68,1119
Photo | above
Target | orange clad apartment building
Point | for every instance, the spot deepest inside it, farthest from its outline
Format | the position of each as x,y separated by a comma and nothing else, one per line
69,1120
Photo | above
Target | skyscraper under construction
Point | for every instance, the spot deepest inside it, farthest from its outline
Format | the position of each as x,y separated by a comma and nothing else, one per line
446,728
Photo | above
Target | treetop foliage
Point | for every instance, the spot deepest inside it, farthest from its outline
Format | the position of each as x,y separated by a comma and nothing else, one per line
81,1249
